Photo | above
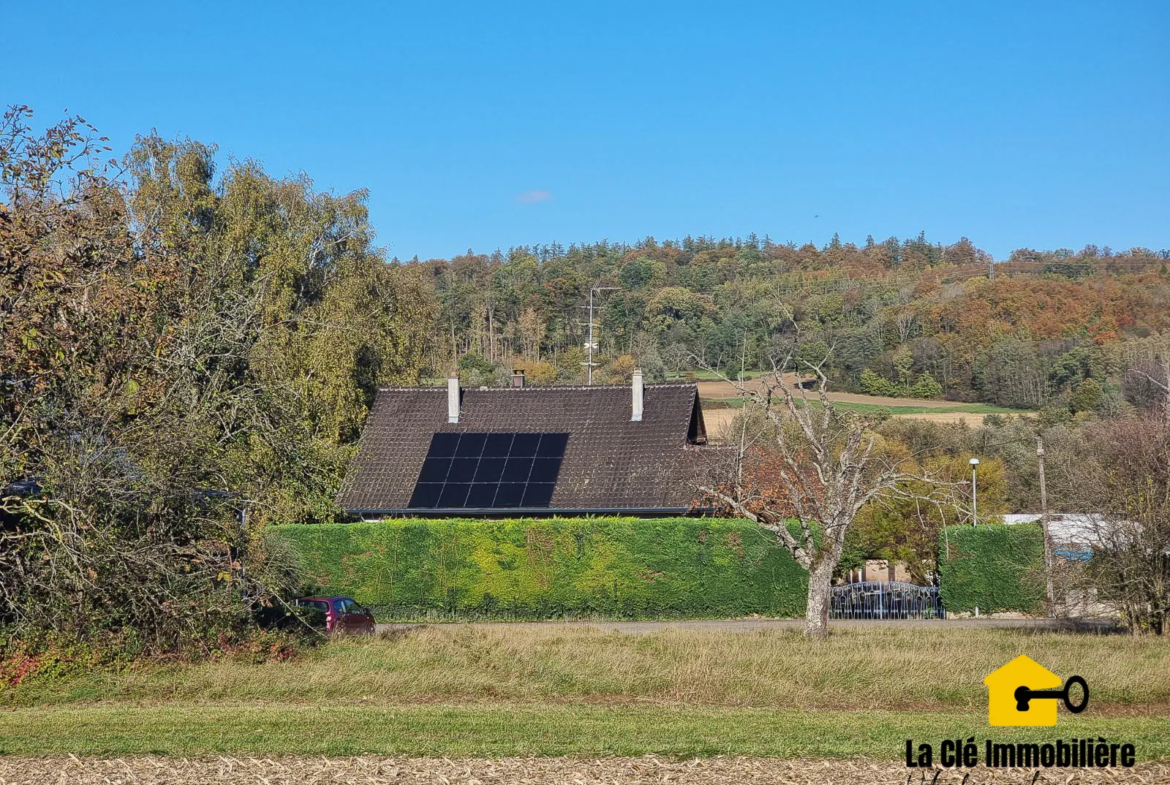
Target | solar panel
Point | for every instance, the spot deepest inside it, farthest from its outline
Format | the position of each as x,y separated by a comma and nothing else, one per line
489,470
498,445
443,445
517,469
470,445
524,445
545,469
538,494
435,470
426,494
552,445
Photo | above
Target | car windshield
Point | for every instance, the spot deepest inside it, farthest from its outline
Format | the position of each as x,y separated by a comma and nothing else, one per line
345,605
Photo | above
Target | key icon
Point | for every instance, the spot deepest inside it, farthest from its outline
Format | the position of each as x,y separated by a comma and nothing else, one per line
1023,695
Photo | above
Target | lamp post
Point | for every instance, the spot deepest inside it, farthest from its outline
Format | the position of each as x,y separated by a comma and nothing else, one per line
974,493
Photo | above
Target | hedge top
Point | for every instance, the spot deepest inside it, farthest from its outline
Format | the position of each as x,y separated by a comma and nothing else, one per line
553,568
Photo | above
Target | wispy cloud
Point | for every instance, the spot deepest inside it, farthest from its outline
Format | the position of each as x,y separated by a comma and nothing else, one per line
532,197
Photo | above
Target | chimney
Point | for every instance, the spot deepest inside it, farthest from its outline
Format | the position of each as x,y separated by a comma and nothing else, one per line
518,377
453,398
639,388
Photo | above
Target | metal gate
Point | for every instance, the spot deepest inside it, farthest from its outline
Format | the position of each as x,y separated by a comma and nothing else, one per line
885,600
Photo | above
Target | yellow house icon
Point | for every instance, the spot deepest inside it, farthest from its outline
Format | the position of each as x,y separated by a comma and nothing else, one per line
1002,704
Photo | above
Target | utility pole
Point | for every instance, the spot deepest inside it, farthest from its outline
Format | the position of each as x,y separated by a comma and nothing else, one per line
1044,525
590,344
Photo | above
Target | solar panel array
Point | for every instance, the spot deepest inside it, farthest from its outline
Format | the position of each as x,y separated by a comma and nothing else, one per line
489,470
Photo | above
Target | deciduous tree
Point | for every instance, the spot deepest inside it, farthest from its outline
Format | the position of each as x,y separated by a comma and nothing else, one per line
806,472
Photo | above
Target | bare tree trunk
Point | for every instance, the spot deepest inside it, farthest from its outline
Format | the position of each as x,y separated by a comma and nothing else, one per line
820,587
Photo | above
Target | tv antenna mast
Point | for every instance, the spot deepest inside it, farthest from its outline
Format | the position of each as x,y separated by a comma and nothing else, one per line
590,344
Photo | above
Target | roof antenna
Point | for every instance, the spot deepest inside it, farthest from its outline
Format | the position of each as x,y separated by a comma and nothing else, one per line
590,344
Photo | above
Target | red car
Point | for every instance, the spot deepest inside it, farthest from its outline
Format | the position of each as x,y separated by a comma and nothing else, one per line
340,615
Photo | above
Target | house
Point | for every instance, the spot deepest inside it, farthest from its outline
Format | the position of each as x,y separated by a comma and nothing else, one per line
880,570
519,450
1073,535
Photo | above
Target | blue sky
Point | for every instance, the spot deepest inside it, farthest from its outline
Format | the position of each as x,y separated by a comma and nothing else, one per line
489,125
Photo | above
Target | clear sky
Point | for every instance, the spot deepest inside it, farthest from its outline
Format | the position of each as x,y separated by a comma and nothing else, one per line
489,125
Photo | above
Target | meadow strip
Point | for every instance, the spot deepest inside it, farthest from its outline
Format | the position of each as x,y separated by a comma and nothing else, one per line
523,730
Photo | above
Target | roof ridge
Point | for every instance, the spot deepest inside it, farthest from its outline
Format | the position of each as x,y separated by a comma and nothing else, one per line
545,388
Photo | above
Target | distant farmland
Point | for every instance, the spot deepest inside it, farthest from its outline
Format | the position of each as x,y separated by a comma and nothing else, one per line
721,401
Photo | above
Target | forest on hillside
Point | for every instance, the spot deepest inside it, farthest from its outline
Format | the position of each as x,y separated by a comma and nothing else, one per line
898,317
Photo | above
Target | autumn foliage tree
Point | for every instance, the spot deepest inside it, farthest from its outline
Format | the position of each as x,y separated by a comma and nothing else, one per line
179,354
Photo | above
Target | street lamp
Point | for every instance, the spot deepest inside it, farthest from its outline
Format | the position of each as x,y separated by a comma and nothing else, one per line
974,495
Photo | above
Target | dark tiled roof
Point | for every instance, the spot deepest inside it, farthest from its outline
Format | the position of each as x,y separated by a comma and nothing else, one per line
610,462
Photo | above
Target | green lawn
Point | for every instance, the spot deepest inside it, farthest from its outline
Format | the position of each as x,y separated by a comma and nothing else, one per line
709,376
500,730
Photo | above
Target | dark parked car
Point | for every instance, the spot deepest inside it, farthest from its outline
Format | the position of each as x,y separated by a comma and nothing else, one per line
340,615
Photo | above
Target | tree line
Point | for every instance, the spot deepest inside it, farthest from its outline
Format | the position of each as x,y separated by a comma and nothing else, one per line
898,317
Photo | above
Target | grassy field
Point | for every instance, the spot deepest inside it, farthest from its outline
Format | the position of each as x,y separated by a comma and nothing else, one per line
489,690
869,408
709,376
503,730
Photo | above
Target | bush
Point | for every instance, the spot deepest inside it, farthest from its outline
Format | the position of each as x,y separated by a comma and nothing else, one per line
554,568
992,567
926,387
874,384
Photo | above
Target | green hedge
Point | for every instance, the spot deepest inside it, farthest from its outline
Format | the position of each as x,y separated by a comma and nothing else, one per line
992,567
553,568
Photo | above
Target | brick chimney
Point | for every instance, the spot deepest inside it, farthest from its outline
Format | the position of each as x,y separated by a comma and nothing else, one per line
453,398
639,391
518,377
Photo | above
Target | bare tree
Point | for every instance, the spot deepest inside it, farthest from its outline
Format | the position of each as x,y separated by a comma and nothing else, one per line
1155,376
1121,479
907,323
821,466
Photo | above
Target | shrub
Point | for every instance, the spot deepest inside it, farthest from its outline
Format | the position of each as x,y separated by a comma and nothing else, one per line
553,568
926,387
992,567
874,384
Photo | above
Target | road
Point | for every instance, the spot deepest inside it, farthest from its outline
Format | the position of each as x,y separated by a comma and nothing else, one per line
756,625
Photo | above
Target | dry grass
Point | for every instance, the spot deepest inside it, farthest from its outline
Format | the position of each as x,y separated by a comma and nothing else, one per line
547,771
869,668
516,691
